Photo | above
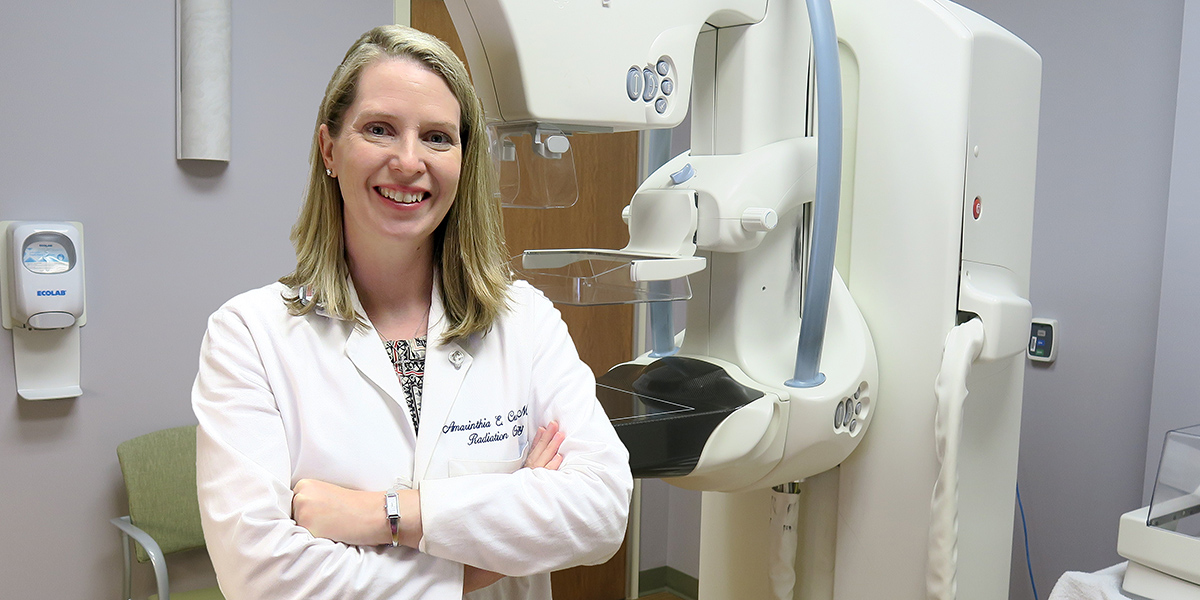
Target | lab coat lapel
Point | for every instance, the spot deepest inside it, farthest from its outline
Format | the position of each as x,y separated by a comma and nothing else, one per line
365,349
446,366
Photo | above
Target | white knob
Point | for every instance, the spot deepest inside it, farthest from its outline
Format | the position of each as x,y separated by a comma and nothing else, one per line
759,219
625,214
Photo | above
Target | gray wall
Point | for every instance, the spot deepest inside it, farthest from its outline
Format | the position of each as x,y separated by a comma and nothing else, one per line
88,122
1175,402
670,528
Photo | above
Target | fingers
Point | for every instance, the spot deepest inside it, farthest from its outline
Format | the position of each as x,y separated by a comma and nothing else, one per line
555,462
545,446
539,456
555,444
535,451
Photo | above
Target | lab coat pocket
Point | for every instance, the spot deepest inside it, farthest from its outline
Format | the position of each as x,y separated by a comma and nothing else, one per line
459,466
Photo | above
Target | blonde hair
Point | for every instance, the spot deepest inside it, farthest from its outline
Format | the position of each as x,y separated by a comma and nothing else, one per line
469,253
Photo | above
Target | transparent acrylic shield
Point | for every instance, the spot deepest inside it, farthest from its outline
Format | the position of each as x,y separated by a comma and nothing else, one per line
504,162
1175,504
593,278
624,406
531,173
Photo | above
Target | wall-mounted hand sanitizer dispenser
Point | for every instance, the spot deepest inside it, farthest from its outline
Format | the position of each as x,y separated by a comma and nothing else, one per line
47,275
42,281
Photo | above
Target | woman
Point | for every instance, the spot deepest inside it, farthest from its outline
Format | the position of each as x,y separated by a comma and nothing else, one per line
399,365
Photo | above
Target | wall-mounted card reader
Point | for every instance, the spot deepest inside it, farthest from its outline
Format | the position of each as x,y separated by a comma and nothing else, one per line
1043,342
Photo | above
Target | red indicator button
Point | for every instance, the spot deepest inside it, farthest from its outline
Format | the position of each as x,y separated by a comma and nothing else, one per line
978,208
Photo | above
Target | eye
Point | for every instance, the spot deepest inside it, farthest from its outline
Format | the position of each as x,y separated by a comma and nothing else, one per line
376,129
439,138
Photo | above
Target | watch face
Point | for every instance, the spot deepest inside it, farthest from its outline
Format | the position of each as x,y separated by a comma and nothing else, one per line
392,505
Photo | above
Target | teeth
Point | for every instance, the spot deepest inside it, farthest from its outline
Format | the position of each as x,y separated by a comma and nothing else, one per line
398,196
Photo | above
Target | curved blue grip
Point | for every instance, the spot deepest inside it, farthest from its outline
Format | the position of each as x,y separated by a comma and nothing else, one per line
829,181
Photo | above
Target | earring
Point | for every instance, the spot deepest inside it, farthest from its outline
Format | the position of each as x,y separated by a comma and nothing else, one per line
329,172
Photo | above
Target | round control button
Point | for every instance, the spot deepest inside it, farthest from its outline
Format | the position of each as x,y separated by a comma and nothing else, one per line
667,86
663,67
853,425
651,81
660,105
838,415
633,83
857,409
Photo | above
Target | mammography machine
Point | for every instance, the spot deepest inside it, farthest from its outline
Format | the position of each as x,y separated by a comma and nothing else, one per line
895,142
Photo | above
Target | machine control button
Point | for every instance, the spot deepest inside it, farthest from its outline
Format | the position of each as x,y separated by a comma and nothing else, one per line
848,411
853,425
838,415
633,83
857,408
660,105
667,86
759,219
684,174
651,85
663,67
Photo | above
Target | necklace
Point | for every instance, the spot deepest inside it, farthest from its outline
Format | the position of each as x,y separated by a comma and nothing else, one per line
424,320
420,324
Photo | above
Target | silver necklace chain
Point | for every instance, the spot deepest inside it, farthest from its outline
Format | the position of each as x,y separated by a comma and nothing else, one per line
423,322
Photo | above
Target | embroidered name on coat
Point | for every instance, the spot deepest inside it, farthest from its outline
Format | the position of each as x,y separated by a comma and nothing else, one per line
475,438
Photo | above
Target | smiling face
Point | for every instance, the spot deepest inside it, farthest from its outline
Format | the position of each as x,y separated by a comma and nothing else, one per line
397,157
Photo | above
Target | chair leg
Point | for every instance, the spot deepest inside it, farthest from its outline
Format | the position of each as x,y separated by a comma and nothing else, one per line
157,560
126,580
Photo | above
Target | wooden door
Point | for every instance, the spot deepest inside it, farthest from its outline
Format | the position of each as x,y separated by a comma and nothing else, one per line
606,166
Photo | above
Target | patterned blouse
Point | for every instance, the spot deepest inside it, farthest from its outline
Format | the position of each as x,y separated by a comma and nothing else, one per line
408,357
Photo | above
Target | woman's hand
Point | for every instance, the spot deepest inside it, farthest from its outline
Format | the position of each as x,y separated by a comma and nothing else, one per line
356,518
543,455
353,517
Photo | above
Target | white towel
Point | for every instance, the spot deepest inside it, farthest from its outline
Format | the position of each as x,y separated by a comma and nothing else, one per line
1101,585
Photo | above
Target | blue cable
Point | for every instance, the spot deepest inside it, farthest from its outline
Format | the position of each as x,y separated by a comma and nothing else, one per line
1025,530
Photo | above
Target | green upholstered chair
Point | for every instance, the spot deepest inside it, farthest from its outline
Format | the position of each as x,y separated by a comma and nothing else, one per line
164,513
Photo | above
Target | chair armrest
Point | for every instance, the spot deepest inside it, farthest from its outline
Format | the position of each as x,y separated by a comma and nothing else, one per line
157,559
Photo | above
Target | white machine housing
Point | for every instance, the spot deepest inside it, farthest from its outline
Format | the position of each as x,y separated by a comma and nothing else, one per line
941,111
516,47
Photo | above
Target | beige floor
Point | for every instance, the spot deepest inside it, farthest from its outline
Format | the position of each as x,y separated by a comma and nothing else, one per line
661,596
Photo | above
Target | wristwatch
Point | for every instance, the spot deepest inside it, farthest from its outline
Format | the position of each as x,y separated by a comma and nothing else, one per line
391,505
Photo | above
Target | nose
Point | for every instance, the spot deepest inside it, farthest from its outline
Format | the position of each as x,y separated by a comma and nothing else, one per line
407,157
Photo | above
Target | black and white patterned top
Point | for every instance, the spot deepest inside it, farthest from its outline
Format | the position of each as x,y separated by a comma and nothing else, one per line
408,357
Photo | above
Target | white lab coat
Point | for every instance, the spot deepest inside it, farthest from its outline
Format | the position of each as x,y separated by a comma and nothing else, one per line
281,398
